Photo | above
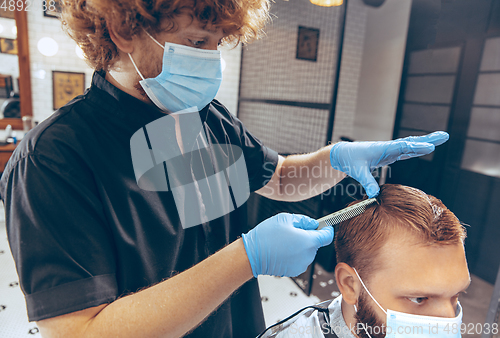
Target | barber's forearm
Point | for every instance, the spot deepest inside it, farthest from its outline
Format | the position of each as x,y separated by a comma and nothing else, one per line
179,304
170,308
311,174
305,176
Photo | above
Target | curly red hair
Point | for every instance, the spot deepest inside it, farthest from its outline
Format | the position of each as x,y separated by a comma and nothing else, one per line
84,20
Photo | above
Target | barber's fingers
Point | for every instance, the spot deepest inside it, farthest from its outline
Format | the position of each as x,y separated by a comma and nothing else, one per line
437,138
402,150
369,184
304,222
322,237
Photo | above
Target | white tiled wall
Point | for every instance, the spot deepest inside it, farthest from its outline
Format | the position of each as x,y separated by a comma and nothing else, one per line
270,71
352,59
382,65
286,129
270,68
369,79
42,66
228,92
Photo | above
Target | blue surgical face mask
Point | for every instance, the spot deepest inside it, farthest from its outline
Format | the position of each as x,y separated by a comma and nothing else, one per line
400,324
190,77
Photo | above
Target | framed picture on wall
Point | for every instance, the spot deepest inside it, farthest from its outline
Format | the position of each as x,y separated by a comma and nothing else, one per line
52,8
65,86
8,46
307,43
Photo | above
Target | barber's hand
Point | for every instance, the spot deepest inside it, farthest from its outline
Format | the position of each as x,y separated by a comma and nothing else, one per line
358,159
285,244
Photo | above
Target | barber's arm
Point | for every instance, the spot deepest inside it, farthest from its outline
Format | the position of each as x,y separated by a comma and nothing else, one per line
283,245
170,308
299,177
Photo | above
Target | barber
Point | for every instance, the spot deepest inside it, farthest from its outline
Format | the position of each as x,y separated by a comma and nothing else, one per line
99,257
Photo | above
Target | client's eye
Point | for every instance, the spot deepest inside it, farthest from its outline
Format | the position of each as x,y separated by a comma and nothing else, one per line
417,300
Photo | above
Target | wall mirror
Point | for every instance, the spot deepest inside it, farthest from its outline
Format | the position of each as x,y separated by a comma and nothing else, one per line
15,79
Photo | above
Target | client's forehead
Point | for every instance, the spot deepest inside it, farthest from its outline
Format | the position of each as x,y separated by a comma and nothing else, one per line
404,262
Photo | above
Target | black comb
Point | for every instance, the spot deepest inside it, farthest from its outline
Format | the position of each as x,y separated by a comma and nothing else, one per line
345,214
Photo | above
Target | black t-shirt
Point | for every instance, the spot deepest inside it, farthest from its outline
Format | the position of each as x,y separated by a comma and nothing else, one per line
83,233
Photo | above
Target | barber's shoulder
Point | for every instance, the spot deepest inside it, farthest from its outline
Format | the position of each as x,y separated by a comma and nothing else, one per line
49,137
225,115
218,105
222,112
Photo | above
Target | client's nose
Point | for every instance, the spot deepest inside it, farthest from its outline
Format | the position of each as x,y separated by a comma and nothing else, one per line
445,309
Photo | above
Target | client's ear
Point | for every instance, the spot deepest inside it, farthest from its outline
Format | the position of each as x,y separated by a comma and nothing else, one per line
348,283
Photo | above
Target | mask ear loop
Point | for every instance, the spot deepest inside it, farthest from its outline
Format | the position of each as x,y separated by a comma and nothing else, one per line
137,69
159,44
364,286
355,308
130,56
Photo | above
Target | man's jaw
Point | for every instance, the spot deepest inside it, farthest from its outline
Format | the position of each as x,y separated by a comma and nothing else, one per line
140,90
367,318
149,72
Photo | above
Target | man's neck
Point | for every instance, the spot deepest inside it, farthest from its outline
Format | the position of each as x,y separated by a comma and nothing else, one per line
123,82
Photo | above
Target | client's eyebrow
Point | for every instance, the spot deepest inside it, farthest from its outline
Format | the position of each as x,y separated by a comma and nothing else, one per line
421,293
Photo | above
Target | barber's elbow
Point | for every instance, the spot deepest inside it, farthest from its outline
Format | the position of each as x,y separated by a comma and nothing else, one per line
74,324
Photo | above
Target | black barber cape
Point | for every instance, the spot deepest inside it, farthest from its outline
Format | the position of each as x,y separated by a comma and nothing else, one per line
83,233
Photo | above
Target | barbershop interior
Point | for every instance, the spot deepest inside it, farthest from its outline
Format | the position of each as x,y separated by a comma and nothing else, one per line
325,71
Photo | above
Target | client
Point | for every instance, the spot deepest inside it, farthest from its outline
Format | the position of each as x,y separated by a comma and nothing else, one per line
400,269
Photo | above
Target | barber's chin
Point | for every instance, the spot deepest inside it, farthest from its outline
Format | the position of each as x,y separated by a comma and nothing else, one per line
140,90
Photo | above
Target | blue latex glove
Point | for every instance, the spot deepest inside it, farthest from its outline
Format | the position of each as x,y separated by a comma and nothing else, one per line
285,244
358,159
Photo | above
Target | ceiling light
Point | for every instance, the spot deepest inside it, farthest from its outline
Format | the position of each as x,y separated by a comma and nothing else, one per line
327,3
48,46
79,52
